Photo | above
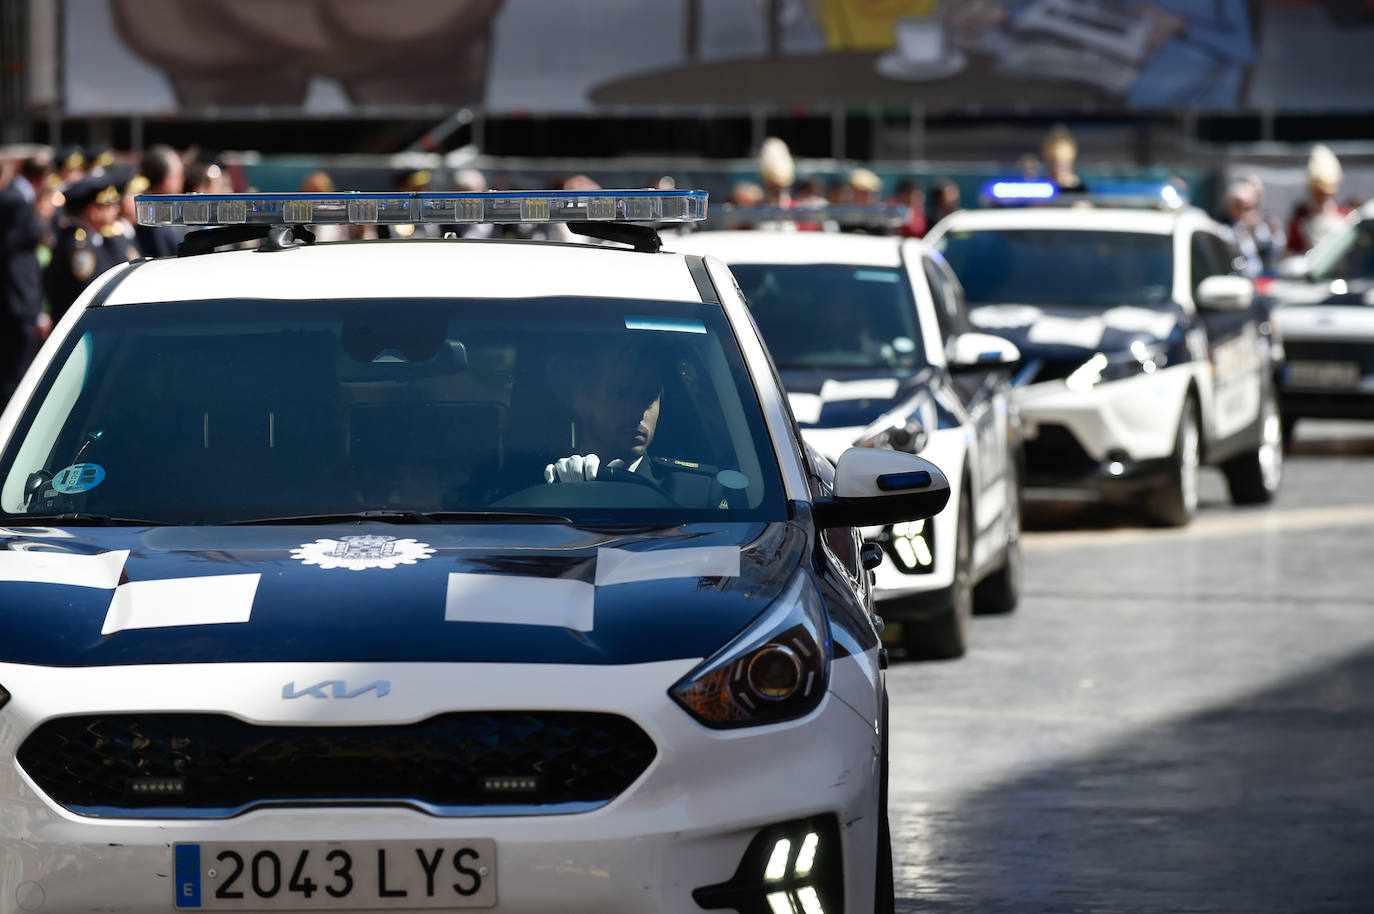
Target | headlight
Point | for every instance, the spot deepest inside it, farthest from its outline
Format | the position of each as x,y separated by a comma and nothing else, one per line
1141,358
777,669
910,437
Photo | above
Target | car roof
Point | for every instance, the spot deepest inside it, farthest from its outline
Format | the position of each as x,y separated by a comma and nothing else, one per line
1100,219
413,268
790,246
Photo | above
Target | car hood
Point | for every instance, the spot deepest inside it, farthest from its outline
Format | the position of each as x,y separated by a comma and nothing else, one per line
382,592
1047,332
828,399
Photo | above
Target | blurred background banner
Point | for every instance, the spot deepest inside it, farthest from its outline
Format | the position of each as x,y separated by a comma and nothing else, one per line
179,57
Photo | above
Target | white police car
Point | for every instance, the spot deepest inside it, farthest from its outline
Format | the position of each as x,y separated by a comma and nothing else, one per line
1145,358
872,340
316,598
1324,309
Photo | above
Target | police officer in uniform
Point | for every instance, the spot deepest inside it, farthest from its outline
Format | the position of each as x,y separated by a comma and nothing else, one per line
91,243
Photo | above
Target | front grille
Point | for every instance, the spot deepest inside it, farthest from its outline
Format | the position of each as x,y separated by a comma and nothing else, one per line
1052,369
1054,452
212,765
1361,353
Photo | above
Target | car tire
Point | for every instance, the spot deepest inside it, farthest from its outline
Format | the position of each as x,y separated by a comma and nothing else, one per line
1000,591
945,636
1254,477
1174,503
884,890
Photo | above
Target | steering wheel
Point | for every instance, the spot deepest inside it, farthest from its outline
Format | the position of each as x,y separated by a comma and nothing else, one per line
620,474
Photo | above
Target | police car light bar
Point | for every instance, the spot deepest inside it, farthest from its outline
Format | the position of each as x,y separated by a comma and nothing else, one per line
1121,194
1020,190
413,209
878,215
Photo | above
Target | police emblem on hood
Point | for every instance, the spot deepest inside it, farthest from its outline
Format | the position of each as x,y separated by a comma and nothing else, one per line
358,553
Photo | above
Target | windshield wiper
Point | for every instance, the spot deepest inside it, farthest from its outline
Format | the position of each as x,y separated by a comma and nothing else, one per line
80,519
410,517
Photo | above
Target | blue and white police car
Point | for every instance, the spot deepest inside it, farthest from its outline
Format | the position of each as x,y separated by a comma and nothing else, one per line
873,342
1145,357
1324,309
434,574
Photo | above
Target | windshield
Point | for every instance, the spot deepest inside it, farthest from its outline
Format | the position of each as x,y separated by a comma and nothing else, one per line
1082,269
1348,256
831,316
231,411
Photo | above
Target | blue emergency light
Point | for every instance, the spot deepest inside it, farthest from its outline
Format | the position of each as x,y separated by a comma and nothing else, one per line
1020,190
200,210
1123,194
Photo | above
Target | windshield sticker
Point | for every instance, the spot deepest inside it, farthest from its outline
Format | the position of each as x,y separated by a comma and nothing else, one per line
669,324
806,408
627,566
876,276
1004,316
872,389
1130,319
732,479
211,600
79,477
358,553
506,599
1084,332
101,571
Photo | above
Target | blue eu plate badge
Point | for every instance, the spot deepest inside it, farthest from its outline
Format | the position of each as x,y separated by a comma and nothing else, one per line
188,875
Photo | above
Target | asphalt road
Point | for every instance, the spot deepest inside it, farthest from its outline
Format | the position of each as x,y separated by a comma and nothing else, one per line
1172,721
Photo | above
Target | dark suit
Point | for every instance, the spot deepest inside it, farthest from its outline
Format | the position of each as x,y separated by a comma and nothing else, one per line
79,256
21,286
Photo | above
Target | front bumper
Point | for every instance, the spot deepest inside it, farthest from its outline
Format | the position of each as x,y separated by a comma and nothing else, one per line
1118,436
684,824
1327,378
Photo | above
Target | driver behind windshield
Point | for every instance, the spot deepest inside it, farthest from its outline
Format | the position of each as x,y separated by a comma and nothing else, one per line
614,399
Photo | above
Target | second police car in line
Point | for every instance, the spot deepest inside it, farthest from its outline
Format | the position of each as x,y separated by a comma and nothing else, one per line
1146,357
427,574
875,349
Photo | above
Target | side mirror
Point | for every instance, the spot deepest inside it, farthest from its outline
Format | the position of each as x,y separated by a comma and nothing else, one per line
874,486
981,350
1225,293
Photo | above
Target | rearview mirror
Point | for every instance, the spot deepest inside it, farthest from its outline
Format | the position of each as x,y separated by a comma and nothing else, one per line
981,350
1225,293
874,486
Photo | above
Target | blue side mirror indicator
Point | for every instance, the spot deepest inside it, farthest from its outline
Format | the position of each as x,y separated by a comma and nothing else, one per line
914,480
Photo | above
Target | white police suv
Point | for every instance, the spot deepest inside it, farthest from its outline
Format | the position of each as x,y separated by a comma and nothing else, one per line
873,343
434,574
1144,356
1324,309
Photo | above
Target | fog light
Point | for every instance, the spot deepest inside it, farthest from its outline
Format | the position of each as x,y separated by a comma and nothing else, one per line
911,546
810,901
779,904
777,861
775,673
788,868
807,855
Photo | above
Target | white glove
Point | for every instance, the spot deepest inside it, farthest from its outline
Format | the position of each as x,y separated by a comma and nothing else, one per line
572,469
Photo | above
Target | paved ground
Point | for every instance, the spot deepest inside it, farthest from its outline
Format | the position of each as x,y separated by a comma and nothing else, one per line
1173,721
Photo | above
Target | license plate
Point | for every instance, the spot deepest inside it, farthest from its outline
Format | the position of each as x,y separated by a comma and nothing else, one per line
339,876
1324,374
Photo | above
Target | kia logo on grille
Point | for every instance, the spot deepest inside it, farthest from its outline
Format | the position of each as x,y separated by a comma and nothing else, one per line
334,688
